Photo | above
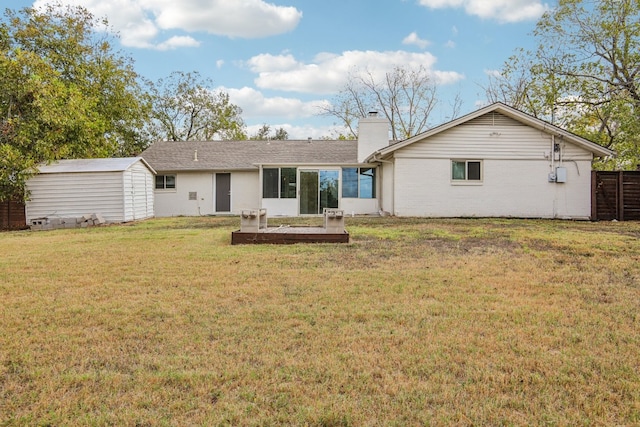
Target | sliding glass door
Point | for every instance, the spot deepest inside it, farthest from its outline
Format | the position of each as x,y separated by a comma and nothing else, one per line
318,190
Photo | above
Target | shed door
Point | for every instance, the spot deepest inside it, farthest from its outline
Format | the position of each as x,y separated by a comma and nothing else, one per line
223,192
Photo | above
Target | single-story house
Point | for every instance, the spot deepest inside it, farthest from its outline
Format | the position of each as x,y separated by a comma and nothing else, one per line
119,189
494,162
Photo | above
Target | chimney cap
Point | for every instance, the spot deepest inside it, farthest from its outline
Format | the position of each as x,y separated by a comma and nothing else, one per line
373,114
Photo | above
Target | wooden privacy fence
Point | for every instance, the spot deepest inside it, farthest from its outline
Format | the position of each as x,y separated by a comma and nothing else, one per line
615,195
12,216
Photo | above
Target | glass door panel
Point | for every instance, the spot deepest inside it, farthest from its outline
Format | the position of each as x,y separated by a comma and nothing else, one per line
328,189
318,190
308,192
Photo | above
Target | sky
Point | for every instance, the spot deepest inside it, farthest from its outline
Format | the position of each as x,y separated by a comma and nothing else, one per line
282,60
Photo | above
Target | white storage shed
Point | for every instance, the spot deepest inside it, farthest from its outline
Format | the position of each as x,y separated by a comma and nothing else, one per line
118,189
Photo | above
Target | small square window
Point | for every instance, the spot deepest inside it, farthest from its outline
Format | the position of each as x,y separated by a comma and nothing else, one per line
165,182
466,170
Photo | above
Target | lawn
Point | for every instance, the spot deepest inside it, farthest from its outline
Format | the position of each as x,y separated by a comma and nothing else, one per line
414,322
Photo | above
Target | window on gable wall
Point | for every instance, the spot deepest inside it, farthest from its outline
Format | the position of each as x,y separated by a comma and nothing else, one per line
165,182
359,183
466,170
279,183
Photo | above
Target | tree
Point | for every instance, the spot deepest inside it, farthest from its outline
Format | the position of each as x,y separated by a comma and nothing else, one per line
406,96
265,133
64,93
585,74
185,108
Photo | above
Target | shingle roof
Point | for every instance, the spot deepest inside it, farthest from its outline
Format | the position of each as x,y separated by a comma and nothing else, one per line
91,165
238,155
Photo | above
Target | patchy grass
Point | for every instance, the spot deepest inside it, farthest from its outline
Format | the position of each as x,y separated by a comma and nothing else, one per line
415,322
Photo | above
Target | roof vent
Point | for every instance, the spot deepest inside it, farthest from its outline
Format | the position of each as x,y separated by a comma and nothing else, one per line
309,140
373,114
195,155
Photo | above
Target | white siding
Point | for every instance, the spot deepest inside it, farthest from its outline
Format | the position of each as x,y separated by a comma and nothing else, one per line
138,193
175,202
245,191
76,194
117,195
385,192
515,169
244,194
485,138
509,189
280,207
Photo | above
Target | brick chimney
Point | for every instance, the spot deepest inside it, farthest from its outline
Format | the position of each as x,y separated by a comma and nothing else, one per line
373,134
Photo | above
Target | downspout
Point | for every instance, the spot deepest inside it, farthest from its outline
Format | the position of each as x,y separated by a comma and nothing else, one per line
260,178
374,158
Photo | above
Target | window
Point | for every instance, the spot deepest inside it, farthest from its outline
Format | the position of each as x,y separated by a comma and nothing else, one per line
279,182
359,182
270,183
165,182
288,187
466,170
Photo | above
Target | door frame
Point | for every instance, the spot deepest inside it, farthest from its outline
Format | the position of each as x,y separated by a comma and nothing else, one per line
318,172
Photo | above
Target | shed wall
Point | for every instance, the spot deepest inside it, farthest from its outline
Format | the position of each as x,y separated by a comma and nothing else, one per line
76,194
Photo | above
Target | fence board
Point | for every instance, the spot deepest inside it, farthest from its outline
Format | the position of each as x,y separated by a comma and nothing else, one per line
615,195
12,216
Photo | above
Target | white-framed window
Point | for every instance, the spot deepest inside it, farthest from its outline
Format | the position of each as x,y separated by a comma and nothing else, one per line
466,171
279,183
359,183
165,182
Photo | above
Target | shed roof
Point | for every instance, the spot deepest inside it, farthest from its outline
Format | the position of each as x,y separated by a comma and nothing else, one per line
247,155
114,164
511,112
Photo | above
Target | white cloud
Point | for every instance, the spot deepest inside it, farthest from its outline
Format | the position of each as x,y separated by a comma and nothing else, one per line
177,42
500,10
493,73
329,72
254,104
140,22
237,18
265,63
413,39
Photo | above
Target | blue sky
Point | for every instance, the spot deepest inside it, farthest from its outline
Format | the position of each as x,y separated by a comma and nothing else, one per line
280,60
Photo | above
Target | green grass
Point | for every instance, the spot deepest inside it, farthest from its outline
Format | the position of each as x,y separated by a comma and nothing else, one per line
415,322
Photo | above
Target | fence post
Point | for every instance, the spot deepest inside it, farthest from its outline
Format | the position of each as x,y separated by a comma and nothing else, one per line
594,199
620,197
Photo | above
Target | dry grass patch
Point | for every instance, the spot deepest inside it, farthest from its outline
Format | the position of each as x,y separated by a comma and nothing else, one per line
468,322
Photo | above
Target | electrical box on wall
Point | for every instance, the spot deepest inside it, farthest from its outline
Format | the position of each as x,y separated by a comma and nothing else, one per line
561,174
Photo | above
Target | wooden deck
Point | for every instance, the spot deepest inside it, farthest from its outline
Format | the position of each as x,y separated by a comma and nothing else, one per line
288,235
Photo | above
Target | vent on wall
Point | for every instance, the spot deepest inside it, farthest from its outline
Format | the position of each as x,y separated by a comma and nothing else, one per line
193,195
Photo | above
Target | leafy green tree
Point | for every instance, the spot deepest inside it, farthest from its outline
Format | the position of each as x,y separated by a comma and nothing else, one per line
64,93
186,108
585,74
